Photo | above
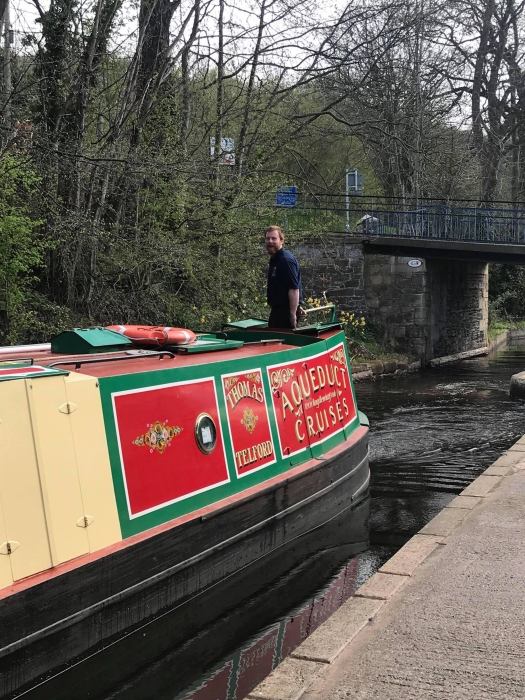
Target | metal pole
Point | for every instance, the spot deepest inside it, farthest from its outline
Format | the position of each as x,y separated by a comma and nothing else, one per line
347,200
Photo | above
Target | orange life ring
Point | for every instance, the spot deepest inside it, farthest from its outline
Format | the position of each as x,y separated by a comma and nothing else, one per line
155,335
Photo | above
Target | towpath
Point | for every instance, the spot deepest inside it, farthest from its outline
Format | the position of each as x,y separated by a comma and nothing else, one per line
443,619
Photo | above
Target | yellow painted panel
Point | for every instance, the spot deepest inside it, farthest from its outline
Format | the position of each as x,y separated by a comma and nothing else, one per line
6,575
96,482
22,506
58,468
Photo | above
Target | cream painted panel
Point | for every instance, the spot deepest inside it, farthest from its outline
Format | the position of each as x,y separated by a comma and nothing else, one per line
58,468
22,506
6,575
96,482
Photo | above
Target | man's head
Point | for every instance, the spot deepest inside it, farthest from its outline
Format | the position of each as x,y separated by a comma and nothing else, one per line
274,239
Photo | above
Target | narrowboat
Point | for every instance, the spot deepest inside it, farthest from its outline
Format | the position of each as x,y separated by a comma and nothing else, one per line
141,467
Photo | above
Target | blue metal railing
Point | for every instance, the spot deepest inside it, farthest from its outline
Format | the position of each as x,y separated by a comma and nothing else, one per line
458,224
427,219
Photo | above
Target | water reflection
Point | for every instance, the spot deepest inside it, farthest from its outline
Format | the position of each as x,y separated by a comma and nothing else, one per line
236,676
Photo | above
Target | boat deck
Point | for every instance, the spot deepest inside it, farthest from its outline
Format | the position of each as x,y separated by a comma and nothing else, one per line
106,364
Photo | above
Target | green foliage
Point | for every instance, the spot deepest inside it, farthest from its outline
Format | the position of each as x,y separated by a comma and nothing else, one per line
20,246
507,292
38,319
124,217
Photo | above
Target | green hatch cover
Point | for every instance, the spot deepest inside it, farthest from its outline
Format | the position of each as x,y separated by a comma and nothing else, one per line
318,328
247,323
206,343
88,340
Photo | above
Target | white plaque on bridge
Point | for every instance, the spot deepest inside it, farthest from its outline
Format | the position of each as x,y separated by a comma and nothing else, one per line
414,263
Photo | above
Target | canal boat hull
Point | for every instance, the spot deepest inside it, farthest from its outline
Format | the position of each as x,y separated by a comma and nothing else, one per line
132,483
165,657
66,616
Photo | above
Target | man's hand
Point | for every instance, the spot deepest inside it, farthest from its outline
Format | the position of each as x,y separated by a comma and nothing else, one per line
301,313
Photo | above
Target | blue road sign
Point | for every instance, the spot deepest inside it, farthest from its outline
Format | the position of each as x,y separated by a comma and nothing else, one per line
286,196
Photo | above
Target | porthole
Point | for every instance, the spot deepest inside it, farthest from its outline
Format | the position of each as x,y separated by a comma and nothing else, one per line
205,433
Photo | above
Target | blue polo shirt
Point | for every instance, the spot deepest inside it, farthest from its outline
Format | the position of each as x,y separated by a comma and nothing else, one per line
284,273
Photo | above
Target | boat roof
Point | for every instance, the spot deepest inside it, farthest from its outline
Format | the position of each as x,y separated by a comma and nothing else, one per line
230,344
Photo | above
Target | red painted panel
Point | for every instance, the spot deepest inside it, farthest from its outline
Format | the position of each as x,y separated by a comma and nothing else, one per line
255,663
248,421
214,688
312,399
160,459
31,369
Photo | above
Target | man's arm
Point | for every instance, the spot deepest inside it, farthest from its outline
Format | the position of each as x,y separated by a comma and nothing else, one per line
293,300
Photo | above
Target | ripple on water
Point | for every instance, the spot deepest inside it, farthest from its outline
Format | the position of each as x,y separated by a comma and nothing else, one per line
434,432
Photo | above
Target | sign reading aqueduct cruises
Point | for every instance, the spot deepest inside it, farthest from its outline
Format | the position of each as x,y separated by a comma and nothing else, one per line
312,399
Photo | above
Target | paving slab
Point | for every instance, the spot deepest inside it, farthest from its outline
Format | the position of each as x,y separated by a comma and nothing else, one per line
467,502
288,681
497,471
409,557
445,522
380,586
508,459
481,486
329,640
518,447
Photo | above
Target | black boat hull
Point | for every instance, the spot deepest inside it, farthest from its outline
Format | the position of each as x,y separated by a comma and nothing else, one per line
71,616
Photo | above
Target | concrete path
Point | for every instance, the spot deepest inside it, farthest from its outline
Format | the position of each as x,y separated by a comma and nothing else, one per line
444,618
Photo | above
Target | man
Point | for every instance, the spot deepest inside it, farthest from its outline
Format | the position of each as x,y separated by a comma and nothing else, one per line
285,292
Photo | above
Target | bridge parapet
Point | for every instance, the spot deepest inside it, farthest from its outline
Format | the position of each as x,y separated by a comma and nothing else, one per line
391,217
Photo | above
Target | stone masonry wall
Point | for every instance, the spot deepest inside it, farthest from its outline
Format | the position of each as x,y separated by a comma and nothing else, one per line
334,268
398,302
439,308
459,306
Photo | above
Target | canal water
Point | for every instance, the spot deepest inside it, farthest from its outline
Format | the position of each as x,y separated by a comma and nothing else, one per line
431,434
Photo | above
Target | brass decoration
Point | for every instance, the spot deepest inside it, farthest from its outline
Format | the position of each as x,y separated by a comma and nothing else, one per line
255,377
158,437
249,420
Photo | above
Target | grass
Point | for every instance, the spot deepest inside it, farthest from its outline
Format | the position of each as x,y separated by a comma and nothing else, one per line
368,350
499,325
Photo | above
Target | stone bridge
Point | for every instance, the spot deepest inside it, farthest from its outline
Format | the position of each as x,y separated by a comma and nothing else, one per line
426,298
